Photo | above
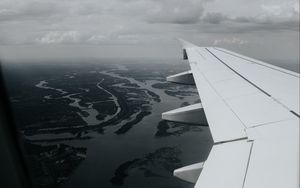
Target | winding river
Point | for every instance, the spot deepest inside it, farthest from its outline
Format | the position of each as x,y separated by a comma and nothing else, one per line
91,113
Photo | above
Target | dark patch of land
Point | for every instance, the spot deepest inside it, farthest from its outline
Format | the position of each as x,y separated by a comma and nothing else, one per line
166,128
127,126
176,90
184,104
52,164
121,172
155,97
165,159
131,85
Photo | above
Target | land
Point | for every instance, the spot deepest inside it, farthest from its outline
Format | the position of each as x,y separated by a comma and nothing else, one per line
56,104
166,158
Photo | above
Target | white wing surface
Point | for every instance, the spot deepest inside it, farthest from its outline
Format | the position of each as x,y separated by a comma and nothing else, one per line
252,109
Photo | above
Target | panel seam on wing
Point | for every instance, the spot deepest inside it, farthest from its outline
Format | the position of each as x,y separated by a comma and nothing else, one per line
233,140
254,62
247,167
223,100
238,73
268,123
277,101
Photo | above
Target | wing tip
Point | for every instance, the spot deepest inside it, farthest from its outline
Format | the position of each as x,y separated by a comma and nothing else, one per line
185,44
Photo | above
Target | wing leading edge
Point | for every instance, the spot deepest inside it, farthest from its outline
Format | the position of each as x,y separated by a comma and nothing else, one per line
252,109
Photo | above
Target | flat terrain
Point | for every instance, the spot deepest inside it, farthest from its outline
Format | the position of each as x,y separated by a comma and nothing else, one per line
99,123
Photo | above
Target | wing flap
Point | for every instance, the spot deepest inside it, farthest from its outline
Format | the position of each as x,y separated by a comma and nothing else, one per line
226,165
274,158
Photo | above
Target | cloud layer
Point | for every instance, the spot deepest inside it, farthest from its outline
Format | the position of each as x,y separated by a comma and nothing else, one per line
147,22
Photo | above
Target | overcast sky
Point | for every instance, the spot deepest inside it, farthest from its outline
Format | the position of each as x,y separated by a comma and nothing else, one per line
266,29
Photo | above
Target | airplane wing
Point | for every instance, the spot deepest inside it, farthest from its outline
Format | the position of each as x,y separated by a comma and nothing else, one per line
252,109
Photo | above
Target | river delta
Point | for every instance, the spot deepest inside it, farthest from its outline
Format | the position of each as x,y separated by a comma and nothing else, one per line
98,123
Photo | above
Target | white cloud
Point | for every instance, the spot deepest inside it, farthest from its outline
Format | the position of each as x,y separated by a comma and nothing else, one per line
57,37
96,39
231,41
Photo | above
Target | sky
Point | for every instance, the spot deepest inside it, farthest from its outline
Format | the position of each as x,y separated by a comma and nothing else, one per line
45,29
